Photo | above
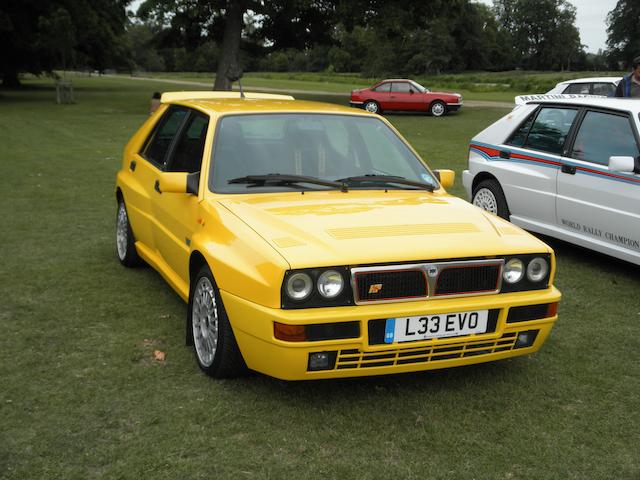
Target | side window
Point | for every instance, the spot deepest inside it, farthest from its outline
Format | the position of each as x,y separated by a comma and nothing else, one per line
400,87
582,88
602,135
384,88
606,89
187,155
158,143
550,129
520,135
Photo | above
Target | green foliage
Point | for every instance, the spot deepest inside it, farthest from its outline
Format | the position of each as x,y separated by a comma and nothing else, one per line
41,36
624,32
542,33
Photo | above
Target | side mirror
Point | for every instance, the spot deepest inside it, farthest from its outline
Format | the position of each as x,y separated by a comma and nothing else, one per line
622,164
178,182
445,177
411,92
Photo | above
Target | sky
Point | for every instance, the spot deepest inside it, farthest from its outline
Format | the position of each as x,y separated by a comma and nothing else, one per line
591,20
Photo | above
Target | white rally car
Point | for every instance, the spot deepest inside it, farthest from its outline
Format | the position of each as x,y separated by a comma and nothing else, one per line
565,167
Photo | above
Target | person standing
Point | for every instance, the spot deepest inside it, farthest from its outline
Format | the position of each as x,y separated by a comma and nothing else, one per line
155,102
629,86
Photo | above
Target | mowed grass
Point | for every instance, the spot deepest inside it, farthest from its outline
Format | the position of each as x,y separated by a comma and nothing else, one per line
81,396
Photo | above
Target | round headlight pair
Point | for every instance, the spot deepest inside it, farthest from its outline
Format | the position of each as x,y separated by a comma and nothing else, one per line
536,270
300,285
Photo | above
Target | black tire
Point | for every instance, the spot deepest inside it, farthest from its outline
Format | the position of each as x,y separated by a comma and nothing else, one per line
489,196
372,106
218,357
438,109
125,241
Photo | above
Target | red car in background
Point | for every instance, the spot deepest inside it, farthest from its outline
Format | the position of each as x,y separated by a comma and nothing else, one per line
403,94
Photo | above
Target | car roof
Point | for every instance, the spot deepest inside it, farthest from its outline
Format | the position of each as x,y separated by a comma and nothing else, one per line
591,79
230,102
628,104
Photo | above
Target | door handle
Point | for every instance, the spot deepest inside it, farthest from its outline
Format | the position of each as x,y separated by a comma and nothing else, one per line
570,169
156,187
505,154
132,165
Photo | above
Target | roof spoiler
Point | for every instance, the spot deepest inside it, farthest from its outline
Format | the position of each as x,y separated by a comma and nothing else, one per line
524,99
168,97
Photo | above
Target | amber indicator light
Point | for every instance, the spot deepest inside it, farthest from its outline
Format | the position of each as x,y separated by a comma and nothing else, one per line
289,333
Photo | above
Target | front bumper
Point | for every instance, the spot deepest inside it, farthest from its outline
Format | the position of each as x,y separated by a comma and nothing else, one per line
454,107
356,104
467,182
253,329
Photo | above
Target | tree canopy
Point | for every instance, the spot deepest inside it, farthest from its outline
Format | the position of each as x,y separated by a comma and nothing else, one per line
371,37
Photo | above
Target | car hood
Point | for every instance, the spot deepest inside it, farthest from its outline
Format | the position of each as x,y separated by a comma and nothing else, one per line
364,227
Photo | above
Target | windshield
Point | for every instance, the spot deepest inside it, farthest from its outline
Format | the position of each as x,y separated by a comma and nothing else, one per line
420,88
326,147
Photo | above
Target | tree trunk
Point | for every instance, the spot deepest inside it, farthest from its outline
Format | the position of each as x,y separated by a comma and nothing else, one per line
228,64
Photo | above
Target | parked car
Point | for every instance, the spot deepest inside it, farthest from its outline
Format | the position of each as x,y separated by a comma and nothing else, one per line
567,168
406,95
604,86
311,241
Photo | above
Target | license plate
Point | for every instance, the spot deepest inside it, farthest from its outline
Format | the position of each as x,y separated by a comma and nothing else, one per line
423,327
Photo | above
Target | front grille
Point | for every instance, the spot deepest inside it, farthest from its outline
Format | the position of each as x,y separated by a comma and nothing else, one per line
390,284
416,281
354,358
467,279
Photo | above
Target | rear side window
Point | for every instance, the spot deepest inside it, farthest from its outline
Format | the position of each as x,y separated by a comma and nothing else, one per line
606,89
400,87
603,135
187,155
582,88
384,88
547,133
158,143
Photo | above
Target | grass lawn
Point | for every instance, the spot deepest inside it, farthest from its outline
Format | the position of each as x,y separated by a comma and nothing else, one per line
81,396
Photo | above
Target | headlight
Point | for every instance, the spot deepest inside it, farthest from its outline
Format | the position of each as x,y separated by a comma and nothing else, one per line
513,271
299,286
537,269
330,284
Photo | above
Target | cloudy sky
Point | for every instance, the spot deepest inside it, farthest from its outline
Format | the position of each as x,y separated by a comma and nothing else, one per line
591,17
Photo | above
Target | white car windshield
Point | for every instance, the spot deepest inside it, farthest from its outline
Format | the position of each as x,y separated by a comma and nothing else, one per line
322,146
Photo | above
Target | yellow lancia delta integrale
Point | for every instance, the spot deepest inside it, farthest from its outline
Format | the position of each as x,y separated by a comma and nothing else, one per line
311,241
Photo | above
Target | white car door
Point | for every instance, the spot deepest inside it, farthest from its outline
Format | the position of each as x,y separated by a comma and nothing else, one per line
534,154
598,207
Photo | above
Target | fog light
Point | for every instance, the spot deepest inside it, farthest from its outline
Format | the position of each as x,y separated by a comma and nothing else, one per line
321,361
526,339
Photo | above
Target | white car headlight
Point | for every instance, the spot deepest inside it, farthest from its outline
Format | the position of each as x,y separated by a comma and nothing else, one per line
299,286
537,269
330,284
513,271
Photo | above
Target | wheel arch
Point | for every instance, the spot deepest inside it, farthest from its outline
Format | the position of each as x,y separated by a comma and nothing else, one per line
196,262
480,177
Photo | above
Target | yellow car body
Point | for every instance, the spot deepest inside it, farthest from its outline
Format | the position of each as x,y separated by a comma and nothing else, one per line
252,241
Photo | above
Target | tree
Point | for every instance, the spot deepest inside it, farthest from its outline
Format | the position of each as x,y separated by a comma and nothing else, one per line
542,33
40,36
623,30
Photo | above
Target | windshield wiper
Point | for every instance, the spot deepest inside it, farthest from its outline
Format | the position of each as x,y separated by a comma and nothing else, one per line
280,179
374,178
